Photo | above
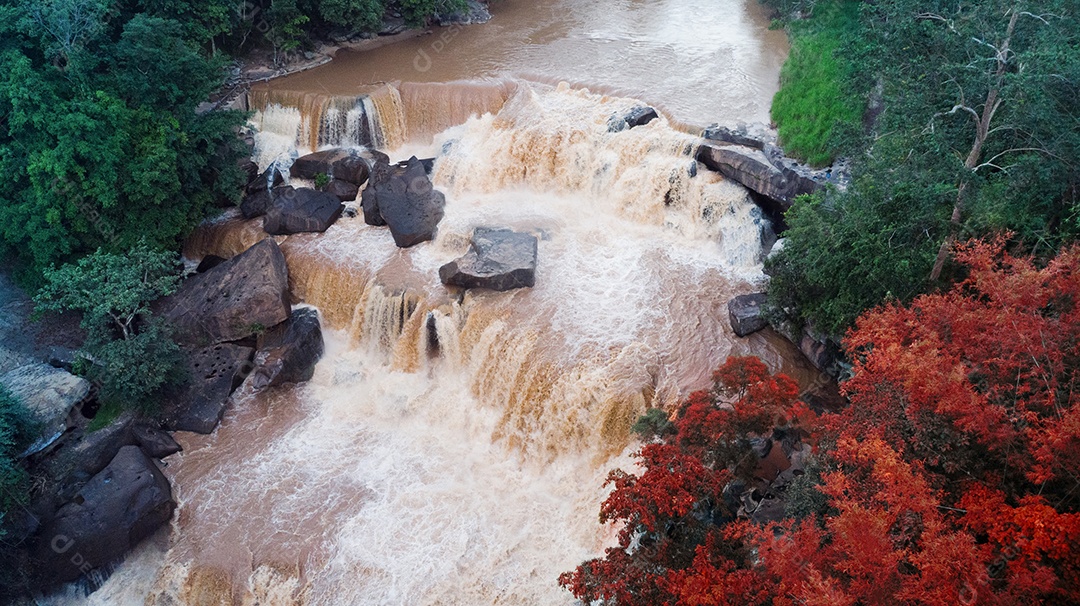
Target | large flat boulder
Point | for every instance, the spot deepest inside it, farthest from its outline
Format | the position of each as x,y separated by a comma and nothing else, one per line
119,507
498,259
745,313
753,169
407,202
302,210
52,395
232,301
288,352
214,373
338,163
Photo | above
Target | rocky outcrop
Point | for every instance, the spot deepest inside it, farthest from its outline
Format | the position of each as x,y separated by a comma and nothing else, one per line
745,313
301,210
636,116
343,190
381,172
746,136
344,164
269,179
214,372
232,301
120,506
498,259
51,395
405,200
288,352
155,443
753,169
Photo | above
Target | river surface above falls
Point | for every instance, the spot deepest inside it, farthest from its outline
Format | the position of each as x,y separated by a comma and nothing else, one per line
702,61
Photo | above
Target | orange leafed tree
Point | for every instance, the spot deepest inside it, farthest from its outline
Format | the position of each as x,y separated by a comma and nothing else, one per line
952,477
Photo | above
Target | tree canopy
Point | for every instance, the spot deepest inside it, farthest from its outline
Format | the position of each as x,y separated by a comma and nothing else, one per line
975,132
951,477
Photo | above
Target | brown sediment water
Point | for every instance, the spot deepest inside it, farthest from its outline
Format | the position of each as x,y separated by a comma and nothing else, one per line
452,447
702,61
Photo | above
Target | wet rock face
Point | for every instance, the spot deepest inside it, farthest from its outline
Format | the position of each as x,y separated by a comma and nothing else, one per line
636,116
344,164
745,313
51,395
498,259
404,199
302,210
288,352
232,301
343,190
214,372
754,170
120,506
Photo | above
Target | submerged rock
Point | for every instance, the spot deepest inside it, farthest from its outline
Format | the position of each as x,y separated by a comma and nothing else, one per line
214,372
302,210
232,301
119,507
745,313
498,259
288,352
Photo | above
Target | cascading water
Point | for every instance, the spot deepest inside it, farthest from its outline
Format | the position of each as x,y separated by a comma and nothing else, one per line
451,449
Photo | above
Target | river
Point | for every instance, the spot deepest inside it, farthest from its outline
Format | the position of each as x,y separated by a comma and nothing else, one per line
471,472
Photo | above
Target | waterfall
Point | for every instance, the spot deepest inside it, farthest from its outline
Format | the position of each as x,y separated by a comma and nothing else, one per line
452,446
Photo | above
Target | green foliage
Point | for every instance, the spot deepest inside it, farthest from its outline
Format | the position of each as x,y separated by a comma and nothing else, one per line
847,252
101,139
321,180
132,354
814,106
15,436
418,11
803,499
653,425
355,14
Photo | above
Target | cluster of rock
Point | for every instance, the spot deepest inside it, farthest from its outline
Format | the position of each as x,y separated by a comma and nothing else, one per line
398,196
750,156
103,491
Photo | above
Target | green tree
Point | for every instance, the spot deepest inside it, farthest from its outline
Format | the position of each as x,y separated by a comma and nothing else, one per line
978,135
107,148
130,353
356,14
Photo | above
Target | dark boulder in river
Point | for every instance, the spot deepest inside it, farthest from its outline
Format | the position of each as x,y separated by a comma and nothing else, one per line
120,506
636,116
745,313
753,169
232,301
269,179
345,164
343,190
288,352
214,372
302,210
499,259
404,199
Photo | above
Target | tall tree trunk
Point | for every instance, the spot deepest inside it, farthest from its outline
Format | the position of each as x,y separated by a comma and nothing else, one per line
982,130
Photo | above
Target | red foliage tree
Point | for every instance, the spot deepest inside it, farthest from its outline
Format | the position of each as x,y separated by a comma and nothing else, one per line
953,476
